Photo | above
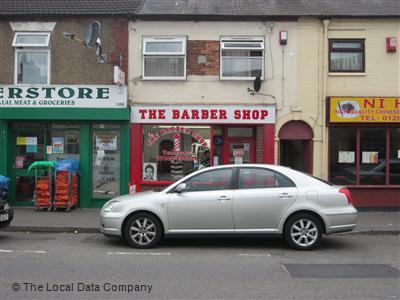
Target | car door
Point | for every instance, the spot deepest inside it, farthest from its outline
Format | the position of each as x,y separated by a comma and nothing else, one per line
261,197
205,205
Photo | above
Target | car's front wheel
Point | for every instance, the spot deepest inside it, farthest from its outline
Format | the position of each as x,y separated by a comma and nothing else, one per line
303,232
143,230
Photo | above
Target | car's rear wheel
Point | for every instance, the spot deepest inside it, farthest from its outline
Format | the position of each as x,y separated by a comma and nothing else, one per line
303,232
143,230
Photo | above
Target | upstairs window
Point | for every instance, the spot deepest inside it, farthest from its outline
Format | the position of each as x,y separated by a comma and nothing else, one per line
31,39
164,58
32,57
242,58
346,55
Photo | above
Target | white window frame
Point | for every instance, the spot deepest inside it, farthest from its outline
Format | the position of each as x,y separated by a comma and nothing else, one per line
31,50
164,39
15,44
260,40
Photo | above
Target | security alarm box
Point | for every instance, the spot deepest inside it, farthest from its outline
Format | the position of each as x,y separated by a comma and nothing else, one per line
282,37
391,44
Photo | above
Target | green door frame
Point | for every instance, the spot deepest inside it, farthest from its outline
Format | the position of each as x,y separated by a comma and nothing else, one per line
124,164
17,172
8,144
4,147
85,117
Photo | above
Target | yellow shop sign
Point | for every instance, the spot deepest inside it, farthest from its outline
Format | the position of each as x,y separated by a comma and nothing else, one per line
364,110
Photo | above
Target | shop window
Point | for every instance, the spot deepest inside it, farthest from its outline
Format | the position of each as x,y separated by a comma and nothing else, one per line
27,124
346,55
173,151
106,126
374,147
106,164
343,145
394,165
62,145
64,125
32,57
373,154
29,148
240,132
239,152
242,58
164,58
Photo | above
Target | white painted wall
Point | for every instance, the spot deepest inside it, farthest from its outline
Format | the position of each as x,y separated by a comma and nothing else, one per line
280,65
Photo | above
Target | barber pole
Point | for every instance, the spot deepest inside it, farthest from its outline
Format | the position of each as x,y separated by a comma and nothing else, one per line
177,142
177,166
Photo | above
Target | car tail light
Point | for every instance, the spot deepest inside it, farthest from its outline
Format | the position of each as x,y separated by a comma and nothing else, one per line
348,194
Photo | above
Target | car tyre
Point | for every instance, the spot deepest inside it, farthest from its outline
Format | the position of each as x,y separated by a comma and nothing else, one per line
303,232
143,230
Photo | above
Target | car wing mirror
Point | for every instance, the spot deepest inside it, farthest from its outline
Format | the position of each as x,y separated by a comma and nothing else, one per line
180,188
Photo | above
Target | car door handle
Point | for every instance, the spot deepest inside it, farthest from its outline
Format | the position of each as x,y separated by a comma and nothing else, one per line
285,195
223,198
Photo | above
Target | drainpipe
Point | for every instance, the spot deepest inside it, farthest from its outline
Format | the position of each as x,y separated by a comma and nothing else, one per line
324,94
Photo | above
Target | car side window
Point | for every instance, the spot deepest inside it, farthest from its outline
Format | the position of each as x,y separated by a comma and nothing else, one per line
257,178
220,179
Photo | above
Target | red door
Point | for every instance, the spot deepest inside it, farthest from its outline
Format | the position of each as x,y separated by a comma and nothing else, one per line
239,150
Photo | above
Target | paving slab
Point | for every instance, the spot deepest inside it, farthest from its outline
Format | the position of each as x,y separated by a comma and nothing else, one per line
81,220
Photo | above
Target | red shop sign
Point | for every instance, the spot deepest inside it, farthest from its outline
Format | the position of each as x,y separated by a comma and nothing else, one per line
218,114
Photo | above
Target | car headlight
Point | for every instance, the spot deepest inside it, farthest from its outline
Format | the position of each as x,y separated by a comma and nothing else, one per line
111,206
6,206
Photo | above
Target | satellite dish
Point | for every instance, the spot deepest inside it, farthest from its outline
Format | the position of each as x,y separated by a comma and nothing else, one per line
92,34
257,84
91,40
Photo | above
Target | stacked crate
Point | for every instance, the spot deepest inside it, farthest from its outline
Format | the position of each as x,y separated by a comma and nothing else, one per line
66,184
43,188
66,192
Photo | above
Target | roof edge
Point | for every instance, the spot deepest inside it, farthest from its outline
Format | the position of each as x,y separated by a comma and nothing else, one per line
191,17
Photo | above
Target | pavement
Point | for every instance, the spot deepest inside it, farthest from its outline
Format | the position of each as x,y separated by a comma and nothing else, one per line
87,221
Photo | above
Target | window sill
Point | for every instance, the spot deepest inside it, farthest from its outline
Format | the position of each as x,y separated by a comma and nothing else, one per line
164,79
342,74
239,78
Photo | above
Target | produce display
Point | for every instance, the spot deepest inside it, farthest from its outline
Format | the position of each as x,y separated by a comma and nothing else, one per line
66,184
43,197
56,184
66,191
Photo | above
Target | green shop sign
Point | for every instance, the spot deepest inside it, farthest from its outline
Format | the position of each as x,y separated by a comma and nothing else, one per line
68,96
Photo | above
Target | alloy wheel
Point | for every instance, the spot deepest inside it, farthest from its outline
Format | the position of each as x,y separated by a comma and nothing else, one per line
304,232
143,231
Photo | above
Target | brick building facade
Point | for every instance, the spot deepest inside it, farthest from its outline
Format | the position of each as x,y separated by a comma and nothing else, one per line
58,97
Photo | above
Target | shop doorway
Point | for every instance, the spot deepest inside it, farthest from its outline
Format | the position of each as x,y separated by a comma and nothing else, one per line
294,154
100,148
295,146
28,148
36,141
239,146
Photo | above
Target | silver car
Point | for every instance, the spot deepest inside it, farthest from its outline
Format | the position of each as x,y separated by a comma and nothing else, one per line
248,198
